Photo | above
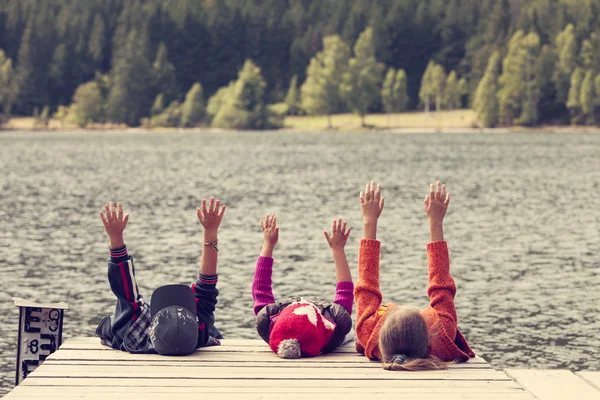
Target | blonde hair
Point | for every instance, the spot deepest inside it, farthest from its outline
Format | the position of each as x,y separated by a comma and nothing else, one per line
404,342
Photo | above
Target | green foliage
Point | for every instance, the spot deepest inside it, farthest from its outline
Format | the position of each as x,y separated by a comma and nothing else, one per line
519,92
165,77
242,105
292,99
573,101
130,97
587,96
9,88
566,49
485,101
427,91
88,104
55,46
45,116
218,99
394,91
193,109
360,84
321,90
158,106
452,95
170,117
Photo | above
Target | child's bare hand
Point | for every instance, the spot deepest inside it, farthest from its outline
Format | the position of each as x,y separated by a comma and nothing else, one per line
114,223
211,217
436,203
270,230
371,203
339,234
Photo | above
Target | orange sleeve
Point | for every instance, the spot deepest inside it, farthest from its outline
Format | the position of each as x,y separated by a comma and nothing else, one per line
442,289
366,291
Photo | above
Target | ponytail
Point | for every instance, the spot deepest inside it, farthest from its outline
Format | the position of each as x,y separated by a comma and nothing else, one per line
417,364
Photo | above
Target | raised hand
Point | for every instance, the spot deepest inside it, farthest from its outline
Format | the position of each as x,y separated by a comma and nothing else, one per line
436,205
339,234
270,234
114,224
371,203
210,217
270,230
436,202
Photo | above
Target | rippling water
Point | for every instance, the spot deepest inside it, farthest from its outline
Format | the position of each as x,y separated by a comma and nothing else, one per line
523,226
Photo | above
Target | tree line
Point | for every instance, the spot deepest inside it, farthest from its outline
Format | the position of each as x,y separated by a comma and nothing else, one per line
235,63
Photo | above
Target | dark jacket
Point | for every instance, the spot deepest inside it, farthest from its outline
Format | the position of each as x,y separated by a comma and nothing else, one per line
127,328
332,311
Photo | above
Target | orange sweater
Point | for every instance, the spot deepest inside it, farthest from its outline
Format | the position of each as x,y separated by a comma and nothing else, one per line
445,340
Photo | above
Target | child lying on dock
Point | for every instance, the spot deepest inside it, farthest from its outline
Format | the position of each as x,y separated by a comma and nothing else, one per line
302,327
178,319
403,337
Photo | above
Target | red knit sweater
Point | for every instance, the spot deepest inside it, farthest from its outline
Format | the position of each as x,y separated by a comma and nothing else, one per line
445,340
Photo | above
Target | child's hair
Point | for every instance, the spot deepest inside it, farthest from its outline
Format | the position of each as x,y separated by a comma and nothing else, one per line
404,342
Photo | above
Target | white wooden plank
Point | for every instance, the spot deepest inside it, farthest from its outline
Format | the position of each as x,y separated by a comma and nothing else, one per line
22,393
68,383
193,372
227,345
553,384
591,377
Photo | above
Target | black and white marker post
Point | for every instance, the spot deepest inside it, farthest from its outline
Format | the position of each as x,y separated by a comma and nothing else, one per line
40,334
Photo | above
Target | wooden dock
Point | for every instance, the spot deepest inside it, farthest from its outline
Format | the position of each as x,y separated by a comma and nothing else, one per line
247,369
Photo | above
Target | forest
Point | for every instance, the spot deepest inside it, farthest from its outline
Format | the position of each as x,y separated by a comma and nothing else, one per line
247,63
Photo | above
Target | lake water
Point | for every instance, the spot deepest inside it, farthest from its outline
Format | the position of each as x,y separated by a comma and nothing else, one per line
523,226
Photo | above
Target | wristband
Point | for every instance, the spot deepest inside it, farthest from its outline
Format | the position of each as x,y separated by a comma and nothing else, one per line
213,245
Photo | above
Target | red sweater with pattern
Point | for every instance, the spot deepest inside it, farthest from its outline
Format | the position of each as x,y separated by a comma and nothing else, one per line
445,339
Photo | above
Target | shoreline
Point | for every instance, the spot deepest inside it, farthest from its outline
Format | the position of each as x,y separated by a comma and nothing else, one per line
408,131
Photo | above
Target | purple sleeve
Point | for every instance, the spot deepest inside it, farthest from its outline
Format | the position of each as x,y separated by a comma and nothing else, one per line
262,293
344,295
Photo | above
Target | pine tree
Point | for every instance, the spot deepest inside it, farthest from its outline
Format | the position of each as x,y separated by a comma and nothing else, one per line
438,76
9,89
485,101
452,94
130,97
292,99
97,42
193,108
387,91
401,91
427,90
321,90
573,101
566,49
518,95
165,76
360,83
587,97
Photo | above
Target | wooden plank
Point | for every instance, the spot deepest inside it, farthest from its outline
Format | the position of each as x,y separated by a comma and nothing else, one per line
553,384
591,377
193,372
24,393
246,364
227,346
271,383
343,360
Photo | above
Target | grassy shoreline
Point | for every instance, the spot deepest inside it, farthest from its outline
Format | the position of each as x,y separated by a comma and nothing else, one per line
457,121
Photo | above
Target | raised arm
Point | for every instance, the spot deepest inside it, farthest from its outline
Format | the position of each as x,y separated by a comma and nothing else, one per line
121,277
205,287
367,293
344,290
262,291
442,288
